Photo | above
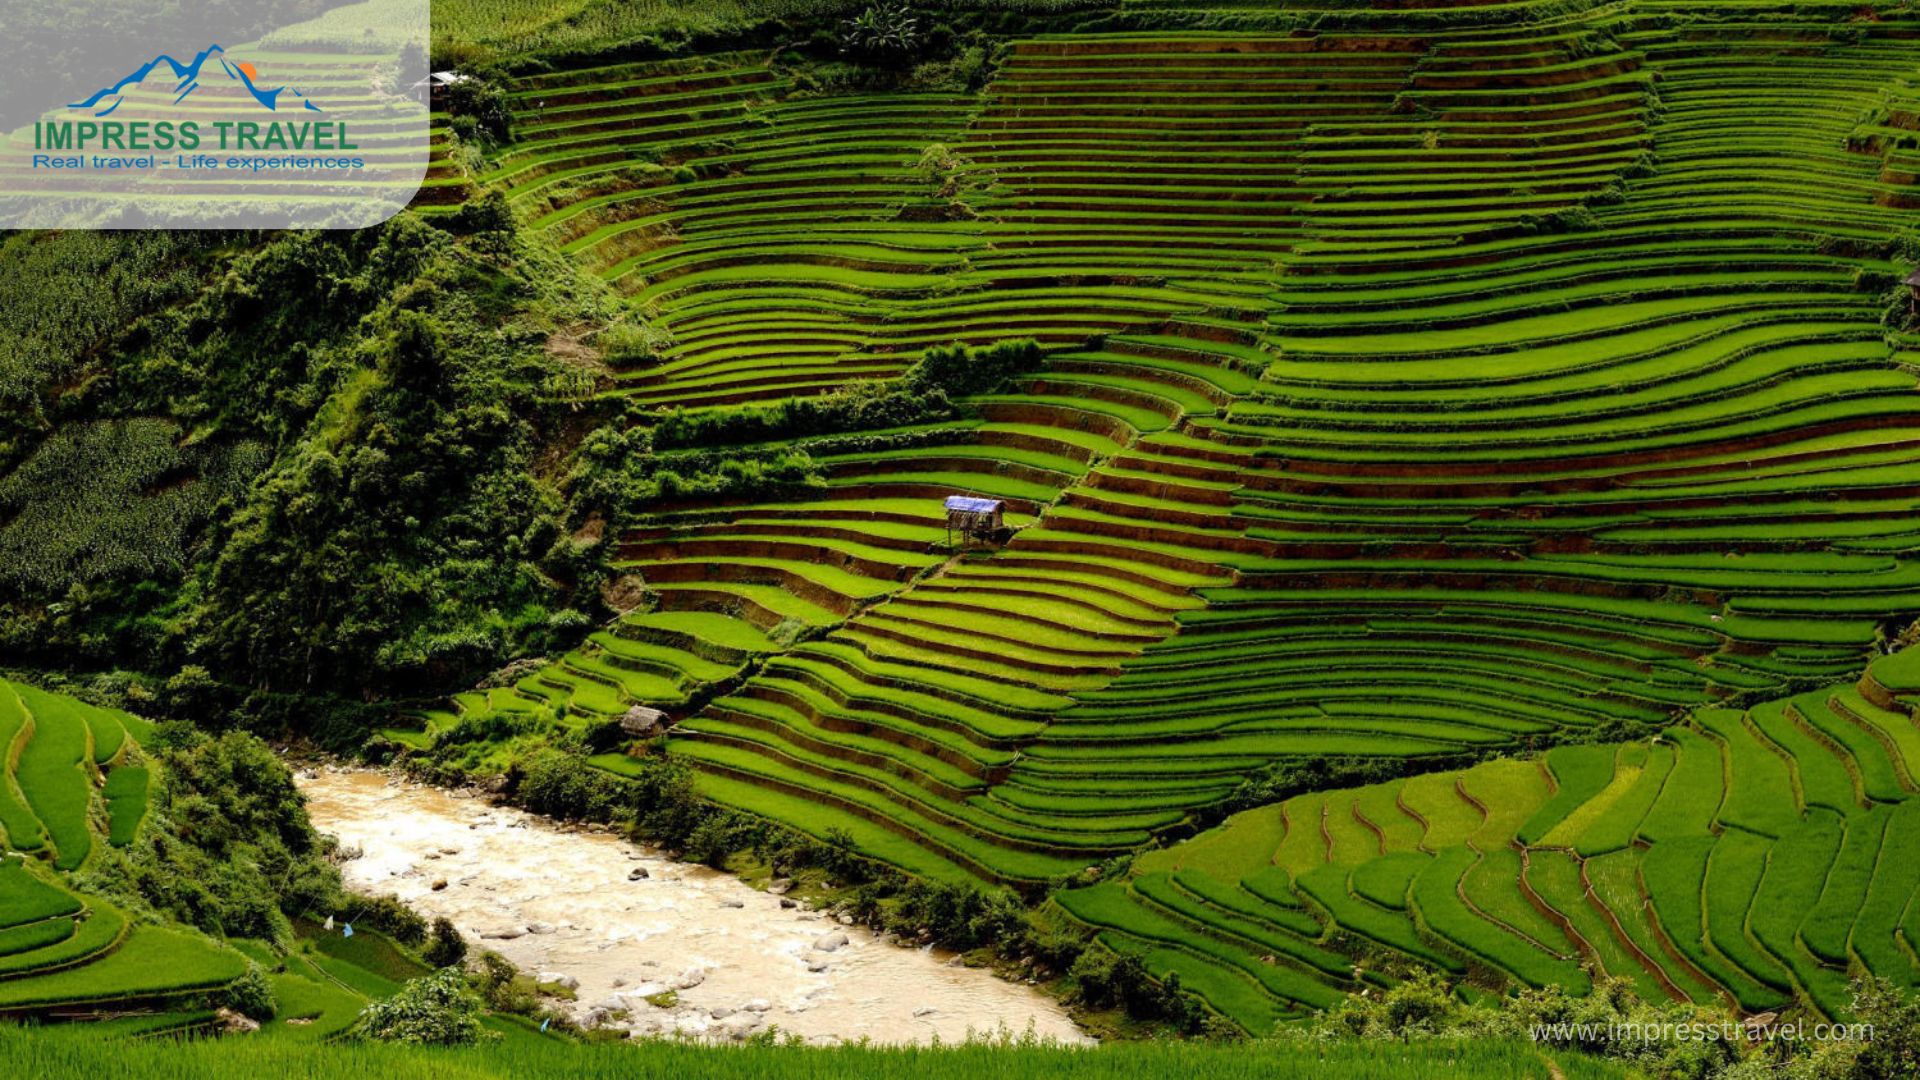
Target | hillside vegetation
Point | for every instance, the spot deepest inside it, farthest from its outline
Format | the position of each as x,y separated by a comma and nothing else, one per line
1469,450
1410,394
77,785
338,425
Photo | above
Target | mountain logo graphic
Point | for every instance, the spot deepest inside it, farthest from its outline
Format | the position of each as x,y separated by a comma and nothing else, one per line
187,79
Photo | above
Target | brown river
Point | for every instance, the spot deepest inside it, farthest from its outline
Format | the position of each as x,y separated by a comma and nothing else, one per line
657,946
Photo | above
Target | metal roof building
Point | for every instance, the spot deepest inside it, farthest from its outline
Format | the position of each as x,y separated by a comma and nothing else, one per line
974,518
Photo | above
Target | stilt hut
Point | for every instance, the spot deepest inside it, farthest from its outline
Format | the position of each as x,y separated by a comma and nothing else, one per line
974,518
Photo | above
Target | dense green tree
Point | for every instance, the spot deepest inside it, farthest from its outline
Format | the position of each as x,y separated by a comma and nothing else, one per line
433,1010
445,947
347,494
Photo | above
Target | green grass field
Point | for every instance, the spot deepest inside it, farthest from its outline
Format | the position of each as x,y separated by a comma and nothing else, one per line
54,1053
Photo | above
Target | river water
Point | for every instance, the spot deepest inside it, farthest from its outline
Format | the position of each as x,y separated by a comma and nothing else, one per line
570,902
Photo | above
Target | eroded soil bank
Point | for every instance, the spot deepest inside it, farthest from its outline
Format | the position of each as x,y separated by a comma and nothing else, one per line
715,956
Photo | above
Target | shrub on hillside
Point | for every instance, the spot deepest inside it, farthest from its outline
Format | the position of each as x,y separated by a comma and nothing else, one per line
1420,1006
490,727
839,857
489,217
1566,220
658,799
631,344
479,109
1669,1053
1890,1052
1427,1006
1105,979
922,395
561,785
1281,780
949,181
886,32
719,836
251,995
958,371
599,736
862,405
433,1010
502,986
959,915
390,916
617,473
968,70
445,946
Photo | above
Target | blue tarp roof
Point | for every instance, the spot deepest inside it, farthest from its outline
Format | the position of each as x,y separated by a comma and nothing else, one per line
971,505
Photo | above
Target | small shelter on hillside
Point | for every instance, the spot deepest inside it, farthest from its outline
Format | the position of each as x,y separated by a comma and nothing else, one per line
974,518
642,722
1913,291
440,79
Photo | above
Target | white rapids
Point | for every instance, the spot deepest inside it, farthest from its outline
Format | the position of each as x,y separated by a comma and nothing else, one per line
567,902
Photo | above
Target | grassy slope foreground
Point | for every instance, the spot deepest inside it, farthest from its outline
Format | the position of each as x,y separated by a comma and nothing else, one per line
77,1053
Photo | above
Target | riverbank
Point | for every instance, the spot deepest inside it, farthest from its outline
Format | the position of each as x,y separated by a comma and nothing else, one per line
651,945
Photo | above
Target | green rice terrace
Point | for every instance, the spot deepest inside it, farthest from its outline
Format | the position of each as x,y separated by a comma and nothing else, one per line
1751,857
75,782
1418,390
1453,470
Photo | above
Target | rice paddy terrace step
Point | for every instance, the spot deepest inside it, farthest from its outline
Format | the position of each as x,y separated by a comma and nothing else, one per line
1607,845
74,785
1407,394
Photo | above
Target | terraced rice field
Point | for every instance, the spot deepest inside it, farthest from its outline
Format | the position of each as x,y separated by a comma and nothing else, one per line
1414,391
1707,864
72,784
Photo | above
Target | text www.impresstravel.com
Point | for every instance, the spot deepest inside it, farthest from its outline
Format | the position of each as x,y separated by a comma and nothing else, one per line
1592,1034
